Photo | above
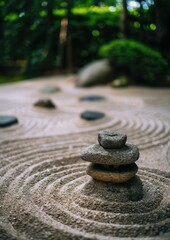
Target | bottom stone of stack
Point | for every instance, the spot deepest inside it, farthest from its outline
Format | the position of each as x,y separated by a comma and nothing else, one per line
118,174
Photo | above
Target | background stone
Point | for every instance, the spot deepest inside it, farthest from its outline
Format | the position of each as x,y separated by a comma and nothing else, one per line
99,72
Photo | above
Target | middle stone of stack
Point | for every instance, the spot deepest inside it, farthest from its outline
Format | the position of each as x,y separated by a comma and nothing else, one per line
112,160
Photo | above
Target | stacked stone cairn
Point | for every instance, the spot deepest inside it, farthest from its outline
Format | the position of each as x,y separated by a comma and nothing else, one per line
112,160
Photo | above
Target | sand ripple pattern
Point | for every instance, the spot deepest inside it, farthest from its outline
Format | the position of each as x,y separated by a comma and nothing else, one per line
109,104
6,105
146,132
42,197
56,123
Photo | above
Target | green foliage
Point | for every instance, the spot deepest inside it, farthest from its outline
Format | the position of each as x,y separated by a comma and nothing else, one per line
135,60
30,30
96,28
4,79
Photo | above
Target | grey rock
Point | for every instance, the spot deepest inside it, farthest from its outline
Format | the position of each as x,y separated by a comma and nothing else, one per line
98,72
122,156
50,89
110,139
45,103
92,98
91,115
6,121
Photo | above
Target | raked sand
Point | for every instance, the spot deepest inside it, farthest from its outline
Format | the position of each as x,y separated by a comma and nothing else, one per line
45,193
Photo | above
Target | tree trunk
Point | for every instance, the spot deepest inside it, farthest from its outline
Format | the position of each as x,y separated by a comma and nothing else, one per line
65,59
50,34
161,29
142,35
124,27
69,57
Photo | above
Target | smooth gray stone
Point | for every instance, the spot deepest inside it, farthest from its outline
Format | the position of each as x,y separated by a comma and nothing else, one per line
6,121
91,98
110,139
122,156
95,73
50,89
92,115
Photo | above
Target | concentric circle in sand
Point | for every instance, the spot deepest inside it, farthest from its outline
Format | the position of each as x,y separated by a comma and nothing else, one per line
47,197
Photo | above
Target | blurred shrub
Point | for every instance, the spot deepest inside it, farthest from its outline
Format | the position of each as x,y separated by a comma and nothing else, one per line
36,63
135,60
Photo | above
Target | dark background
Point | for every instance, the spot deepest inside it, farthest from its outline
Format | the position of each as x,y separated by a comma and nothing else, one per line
45,37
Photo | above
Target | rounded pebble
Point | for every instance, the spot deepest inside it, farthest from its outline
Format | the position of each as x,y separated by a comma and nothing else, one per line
92,98
118,175
91,115
97,154
45,103
6,121
111,139
50,89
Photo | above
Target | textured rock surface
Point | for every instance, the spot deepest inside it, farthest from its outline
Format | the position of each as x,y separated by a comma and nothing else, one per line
118,175
99,72
97,154
111,139
45,192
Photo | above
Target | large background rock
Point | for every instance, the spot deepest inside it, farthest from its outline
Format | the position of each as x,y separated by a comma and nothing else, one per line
98,72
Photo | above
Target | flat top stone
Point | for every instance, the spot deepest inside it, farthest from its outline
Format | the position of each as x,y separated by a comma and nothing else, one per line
91,98
110,139
97,154
6,121
92,115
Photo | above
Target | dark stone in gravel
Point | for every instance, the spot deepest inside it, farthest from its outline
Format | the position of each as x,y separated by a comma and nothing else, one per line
122,156
90,115
110,139
50,89
92,98
45,103
6,121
